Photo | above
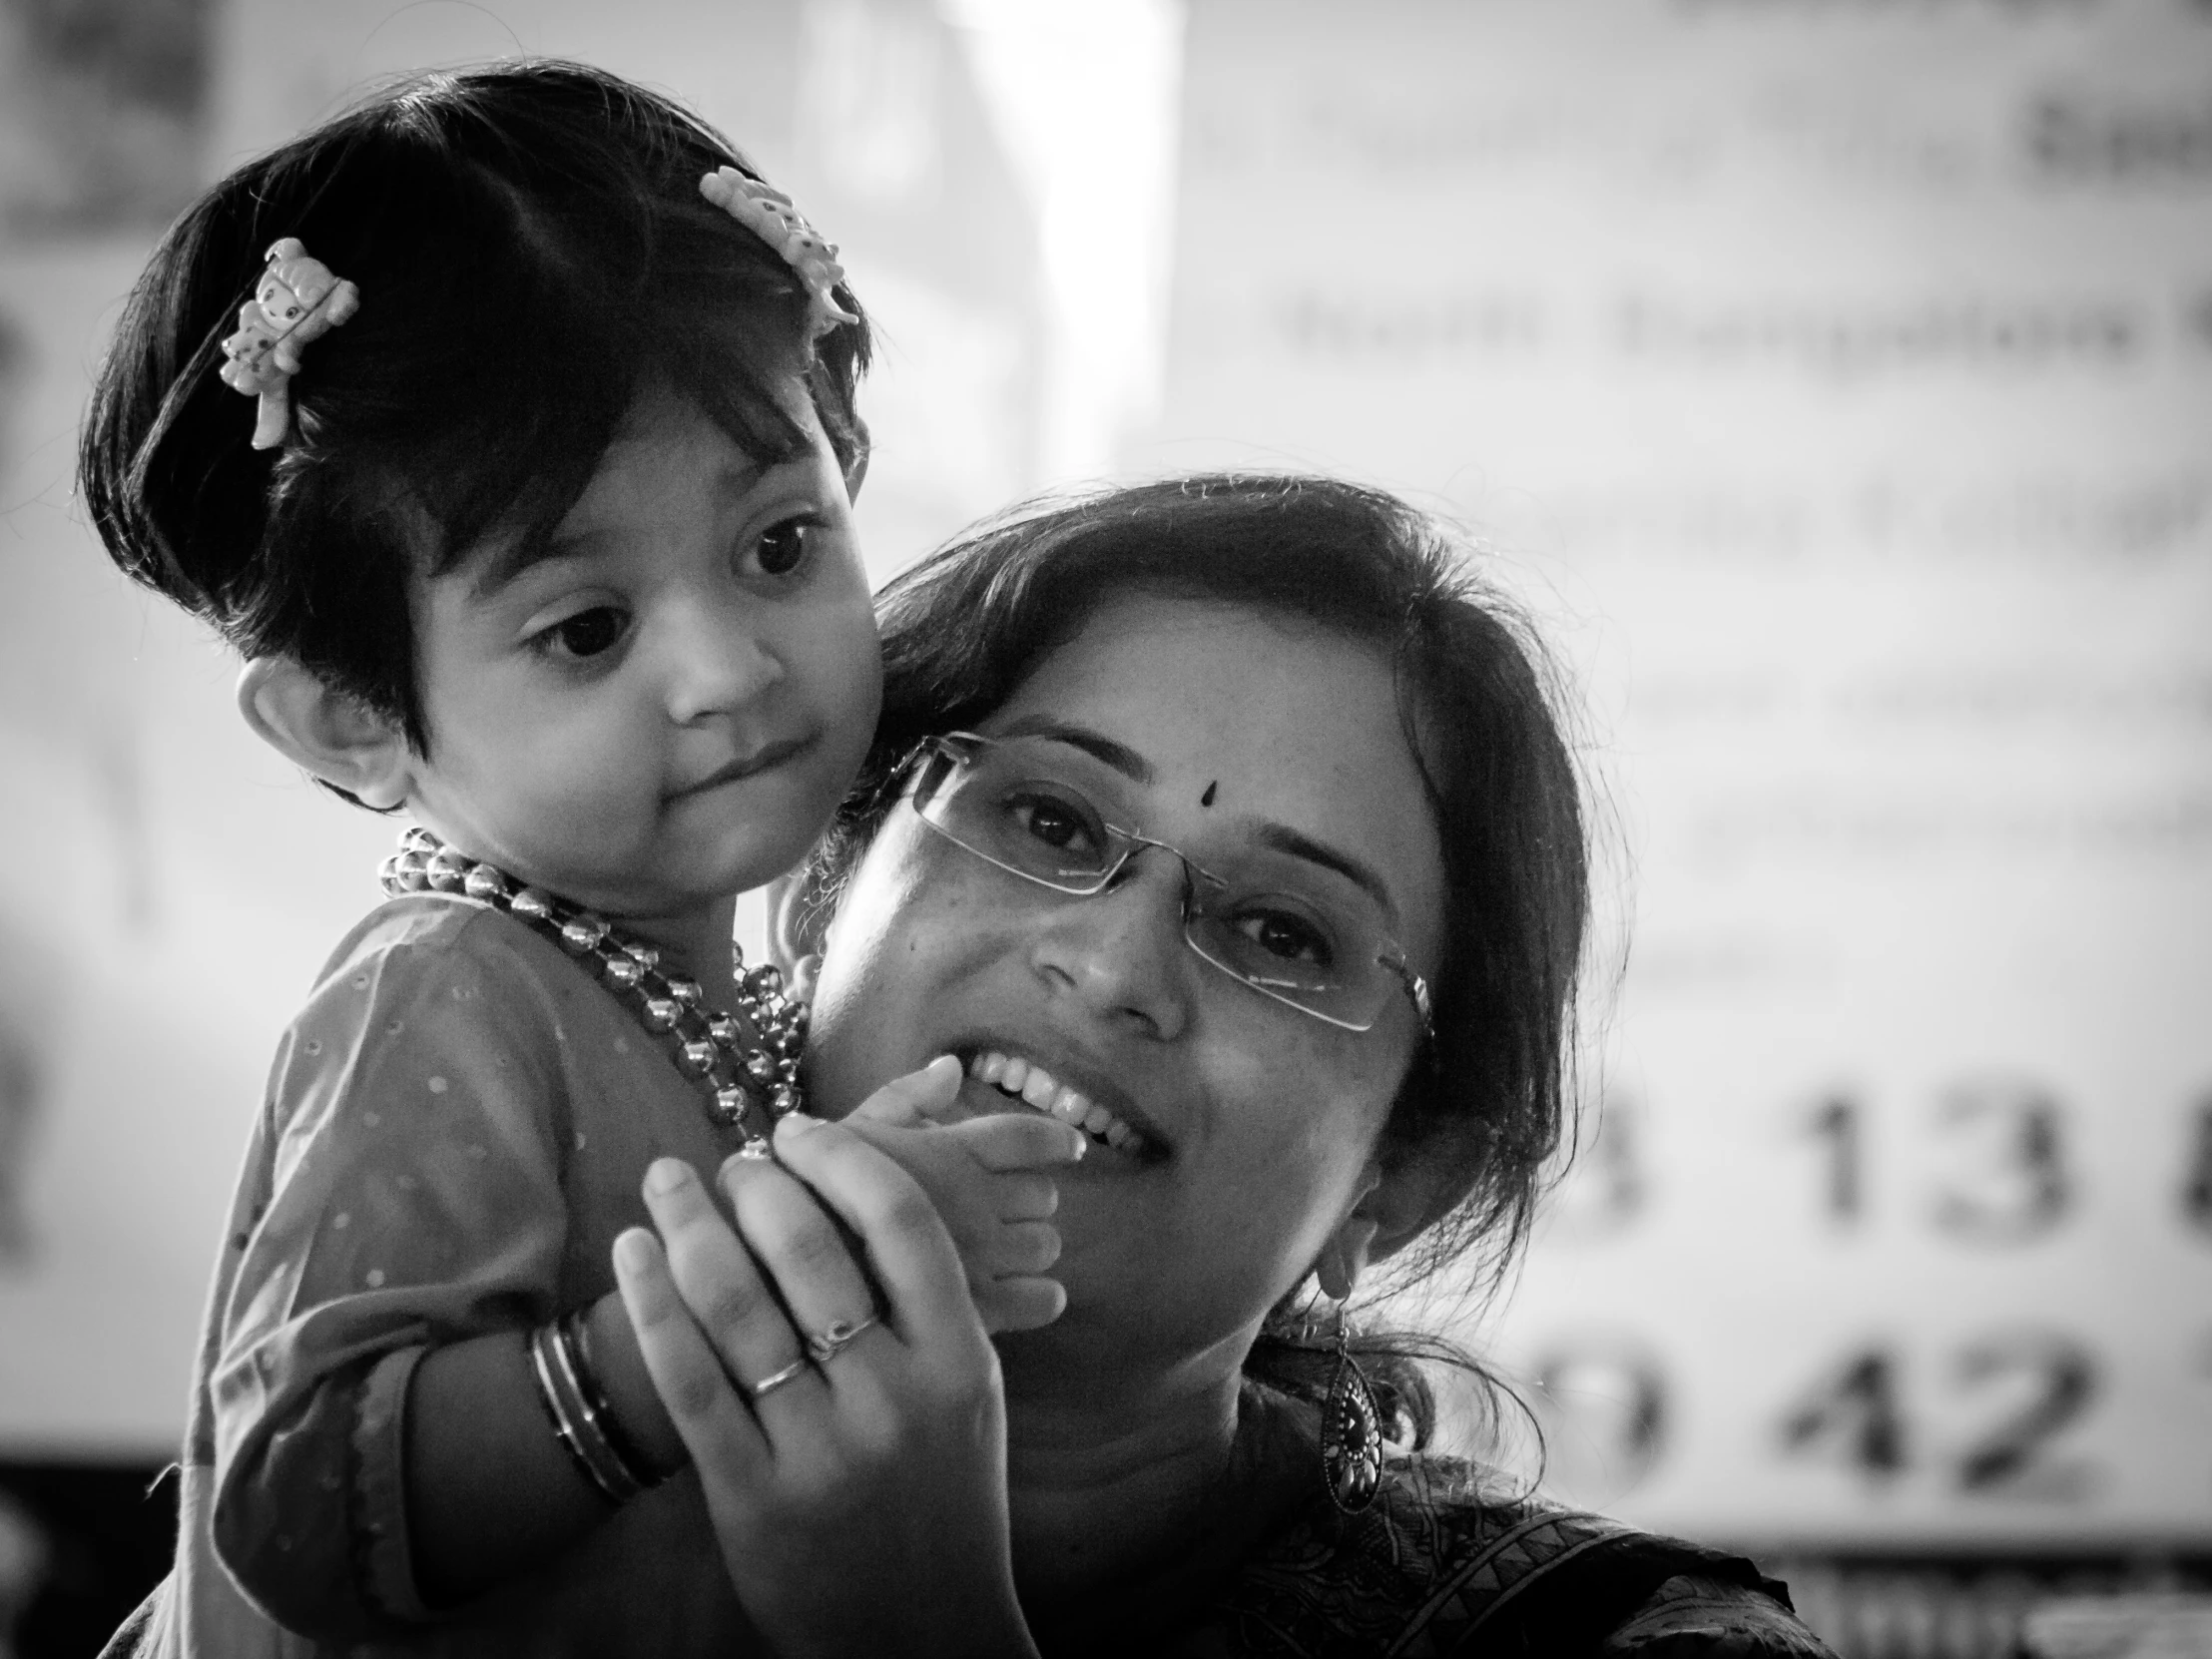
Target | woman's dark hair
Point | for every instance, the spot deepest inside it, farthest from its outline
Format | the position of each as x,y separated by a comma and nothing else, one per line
1483,1108
532,252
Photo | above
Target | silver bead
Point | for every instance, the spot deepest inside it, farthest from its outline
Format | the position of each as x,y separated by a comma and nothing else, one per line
531,905
582,932
484,883
420,839
787,1071
761,1068
765,981
732,1103
660,1013
649,955
784,1041
726,1031
783,1100
697,1060
622,972
448,870
686,991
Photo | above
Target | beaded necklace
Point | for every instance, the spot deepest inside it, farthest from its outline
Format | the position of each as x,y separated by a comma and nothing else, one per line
748,1066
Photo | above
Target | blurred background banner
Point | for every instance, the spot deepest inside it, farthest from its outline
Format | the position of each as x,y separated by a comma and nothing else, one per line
1833,380
1837,379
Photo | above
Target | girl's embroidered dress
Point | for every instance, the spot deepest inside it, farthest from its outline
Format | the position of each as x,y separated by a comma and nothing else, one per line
456,1131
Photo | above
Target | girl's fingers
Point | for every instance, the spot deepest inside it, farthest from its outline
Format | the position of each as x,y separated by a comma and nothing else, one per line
919,1097
798,1247
1022,1247
1024,1195
717,1278
716,1431
908,1250
1021,1303
1019,1140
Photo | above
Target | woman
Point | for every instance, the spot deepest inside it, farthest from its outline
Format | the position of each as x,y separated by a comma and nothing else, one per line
1230,820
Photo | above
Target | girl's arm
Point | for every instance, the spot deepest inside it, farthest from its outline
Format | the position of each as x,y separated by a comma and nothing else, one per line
490,1493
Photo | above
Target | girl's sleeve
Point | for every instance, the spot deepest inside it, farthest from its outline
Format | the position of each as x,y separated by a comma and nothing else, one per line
412,1197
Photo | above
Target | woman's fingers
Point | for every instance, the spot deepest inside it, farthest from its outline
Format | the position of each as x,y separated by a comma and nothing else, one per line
908,1250
800,1247
717,1429
717,1278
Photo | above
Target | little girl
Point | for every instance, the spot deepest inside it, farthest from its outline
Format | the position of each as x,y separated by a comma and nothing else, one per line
540,533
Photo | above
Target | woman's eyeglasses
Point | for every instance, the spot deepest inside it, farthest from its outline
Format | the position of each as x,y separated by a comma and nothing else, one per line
1270,920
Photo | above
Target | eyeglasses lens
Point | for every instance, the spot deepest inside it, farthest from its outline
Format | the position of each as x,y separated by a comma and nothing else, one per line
1263,919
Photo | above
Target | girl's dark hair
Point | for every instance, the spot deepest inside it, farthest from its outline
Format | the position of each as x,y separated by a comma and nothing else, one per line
533,252
1483,1108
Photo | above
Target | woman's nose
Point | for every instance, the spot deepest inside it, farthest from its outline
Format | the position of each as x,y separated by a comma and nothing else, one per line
1121,953
716,664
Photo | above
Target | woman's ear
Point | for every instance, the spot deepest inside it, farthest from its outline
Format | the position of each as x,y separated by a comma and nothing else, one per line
790,944
330,734
1388,1214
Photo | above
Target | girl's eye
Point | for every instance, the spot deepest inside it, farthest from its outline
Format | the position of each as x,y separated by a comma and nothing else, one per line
1287,935
587,633
784,547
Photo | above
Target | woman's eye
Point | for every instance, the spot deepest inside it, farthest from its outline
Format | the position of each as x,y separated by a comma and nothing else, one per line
1056,823
587,633
783,548
1288,935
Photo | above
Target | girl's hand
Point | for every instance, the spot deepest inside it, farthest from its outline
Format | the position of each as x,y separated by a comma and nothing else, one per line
860,1500
991,1180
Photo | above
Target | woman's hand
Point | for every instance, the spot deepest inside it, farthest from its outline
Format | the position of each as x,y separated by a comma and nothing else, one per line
860,1498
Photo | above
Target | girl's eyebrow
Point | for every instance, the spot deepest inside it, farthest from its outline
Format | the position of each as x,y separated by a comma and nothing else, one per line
734,480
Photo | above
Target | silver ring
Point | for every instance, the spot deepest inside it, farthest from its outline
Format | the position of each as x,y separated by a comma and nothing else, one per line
824,1346
775,1380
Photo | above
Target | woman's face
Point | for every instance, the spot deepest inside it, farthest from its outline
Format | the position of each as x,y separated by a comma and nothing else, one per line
1222,732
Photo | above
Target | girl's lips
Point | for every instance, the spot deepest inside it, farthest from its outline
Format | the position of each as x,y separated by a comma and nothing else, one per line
747,765
1023,1079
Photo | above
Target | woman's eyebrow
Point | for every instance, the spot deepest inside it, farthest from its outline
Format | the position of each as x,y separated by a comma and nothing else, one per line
1282,838
1097,745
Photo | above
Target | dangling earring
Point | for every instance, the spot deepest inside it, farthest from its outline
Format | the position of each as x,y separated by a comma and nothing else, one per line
1351,1432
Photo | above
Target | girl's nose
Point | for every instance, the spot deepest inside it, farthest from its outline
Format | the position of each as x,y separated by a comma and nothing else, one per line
1121,953
717,665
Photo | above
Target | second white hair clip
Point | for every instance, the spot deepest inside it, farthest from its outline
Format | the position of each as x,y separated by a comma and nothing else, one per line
767,212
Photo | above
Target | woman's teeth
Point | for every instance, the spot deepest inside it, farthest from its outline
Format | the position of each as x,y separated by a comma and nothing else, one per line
1012,1075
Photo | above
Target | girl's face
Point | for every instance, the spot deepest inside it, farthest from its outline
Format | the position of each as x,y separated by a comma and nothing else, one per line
665,711
1224,733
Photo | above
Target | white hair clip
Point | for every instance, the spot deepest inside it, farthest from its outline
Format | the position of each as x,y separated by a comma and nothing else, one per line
767,212
296,300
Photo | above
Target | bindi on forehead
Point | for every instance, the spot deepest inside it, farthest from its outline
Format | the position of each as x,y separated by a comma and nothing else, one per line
1206,800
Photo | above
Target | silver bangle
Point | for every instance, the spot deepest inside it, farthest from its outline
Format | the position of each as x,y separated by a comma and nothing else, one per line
576,1420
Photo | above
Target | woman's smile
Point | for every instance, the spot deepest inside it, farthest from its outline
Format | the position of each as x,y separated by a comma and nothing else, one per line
1100,1109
